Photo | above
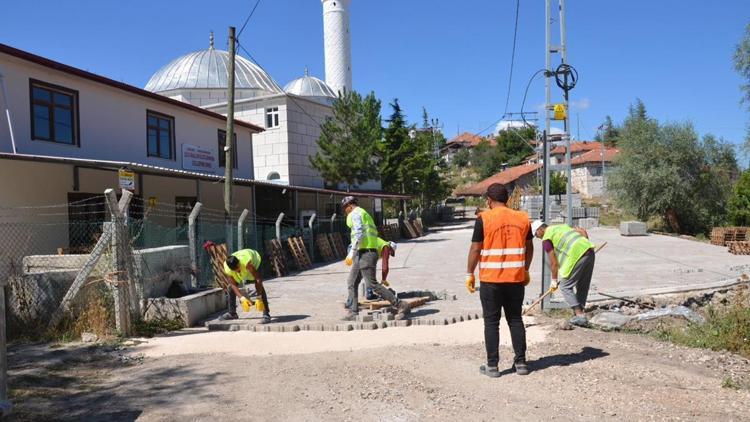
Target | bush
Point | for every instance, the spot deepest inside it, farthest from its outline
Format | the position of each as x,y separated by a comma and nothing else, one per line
145,328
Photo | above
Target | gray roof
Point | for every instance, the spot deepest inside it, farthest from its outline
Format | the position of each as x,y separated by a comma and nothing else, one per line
208,69
309,86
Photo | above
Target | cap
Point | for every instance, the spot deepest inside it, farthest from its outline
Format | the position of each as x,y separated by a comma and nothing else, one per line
348,200
536,224
497,192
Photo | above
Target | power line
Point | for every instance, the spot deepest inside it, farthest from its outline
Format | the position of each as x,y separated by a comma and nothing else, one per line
526,93
512,58
248,18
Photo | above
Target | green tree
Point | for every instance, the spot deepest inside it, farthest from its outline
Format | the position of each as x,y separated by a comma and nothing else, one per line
510,148
609,133
739,202
667,171
558,183
461,158
394,150
742,66
348,140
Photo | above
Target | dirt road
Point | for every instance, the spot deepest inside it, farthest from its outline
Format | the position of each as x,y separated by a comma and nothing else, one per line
580,375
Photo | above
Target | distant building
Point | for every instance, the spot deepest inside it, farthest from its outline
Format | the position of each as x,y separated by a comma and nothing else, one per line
464,141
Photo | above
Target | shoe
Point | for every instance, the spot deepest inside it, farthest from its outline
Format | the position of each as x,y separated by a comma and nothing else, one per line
579,321
350,316
266,318
228,316
490,371
403,310
521,368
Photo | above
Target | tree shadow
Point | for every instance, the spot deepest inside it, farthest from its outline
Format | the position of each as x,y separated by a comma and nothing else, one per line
567,359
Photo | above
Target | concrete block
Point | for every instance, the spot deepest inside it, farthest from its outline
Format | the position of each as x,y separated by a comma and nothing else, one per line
364,318
633,228
189,309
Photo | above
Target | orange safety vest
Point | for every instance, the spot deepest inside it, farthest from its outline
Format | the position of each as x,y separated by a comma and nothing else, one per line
503,257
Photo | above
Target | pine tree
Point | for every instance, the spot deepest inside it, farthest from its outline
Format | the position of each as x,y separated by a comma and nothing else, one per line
348,140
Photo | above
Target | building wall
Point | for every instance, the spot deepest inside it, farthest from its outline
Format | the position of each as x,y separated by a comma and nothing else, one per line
112,122
588,181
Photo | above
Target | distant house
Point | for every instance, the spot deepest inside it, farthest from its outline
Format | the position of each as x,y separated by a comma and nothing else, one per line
463,141
523,176
588,174
557,154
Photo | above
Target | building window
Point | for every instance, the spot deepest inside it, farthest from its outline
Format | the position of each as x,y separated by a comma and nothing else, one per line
160,136
54,113
222,144
272,117
274,175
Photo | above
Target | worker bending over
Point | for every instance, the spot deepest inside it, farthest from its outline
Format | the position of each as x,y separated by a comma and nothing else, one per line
502,245
242,267
386,250
571,258
363,258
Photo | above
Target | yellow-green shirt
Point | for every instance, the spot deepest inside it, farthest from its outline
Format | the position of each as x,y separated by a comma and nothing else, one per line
245,256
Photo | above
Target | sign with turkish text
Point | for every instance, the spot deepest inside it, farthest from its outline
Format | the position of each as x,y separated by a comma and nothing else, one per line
127,179
197,158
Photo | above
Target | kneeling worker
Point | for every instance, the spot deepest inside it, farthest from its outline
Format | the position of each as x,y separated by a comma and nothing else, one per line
571,257
363,257
239,268
502,245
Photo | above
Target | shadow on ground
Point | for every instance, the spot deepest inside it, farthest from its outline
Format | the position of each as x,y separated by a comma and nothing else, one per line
567,359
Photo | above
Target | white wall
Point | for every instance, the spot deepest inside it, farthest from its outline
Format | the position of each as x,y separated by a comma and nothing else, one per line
112,121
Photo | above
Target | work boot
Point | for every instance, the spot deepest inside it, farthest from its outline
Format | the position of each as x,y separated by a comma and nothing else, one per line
490,371
350,316
266,318
580,321
521,368
228,316
403,310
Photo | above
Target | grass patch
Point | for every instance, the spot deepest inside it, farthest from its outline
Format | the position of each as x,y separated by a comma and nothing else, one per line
726,328
559,313
731,384
144,328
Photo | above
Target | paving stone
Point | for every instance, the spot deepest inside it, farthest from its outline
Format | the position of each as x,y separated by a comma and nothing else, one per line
364,318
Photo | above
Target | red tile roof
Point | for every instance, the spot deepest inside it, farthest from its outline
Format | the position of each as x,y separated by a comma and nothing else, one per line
469,140
505,177
577,147
595,156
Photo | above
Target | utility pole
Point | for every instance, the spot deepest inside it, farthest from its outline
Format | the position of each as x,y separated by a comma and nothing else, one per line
229,144
568,170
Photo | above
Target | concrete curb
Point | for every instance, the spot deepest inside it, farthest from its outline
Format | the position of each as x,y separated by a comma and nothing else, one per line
347,326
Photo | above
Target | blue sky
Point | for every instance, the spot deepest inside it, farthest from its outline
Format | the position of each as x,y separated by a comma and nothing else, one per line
451,57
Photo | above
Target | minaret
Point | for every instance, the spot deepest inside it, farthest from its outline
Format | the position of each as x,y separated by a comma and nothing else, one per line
338,50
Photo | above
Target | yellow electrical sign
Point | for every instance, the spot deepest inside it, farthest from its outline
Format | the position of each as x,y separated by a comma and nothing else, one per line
560,112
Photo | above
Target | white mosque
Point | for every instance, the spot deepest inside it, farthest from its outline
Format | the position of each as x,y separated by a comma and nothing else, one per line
291,115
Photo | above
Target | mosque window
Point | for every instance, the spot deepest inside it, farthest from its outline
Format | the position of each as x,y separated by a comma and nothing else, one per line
274,175
222,144
272,117
160,135
54,113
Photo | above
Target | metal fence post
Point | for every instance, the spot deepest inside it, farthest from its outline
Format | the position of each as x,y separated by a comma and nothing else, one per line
278,226
122,313
241,229
333,221
311,223
193,243
5,405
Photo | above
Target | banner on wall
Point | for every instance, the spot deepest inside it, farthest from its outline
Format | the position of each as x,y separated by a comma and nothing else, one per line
197,158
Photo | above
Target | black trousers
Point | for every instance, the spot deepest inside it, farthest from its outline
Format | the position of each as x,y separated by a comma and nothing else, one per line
232,298
509,298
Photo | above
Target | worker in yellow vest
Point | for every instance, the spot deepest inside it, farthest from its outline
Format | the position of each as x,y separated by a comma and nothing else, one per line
242,267
502,245
363,258
571,257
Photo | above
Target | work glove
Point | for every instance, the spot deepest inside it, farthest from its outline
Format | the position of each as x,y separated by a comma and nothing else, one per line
470,283
349,260
554,285
386,283
259,306
245,302
526,278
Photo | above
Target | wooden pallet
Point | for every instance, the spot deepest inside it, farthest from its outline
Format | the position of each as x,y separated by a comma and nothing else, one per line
418,226
389,232
739,247
299,253
218,254
337,244
410,230
722,235
276,257
374,305
325,248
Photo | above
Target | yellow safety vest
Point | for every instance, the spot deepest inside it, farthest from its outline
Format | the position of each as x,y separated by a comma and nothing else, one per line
569,247
245,256
370,236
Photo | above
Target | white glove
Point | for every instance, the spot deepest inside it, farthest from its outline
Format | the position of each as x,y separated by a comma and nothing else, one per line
554,285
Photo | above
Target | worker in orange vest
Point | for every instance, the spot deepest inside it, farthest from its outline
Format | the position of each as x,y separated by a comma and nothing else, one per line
502,246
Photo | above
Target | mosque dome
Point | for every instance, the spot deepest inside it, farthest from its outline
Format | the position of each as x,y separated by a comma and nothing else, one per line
309,86
207,69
